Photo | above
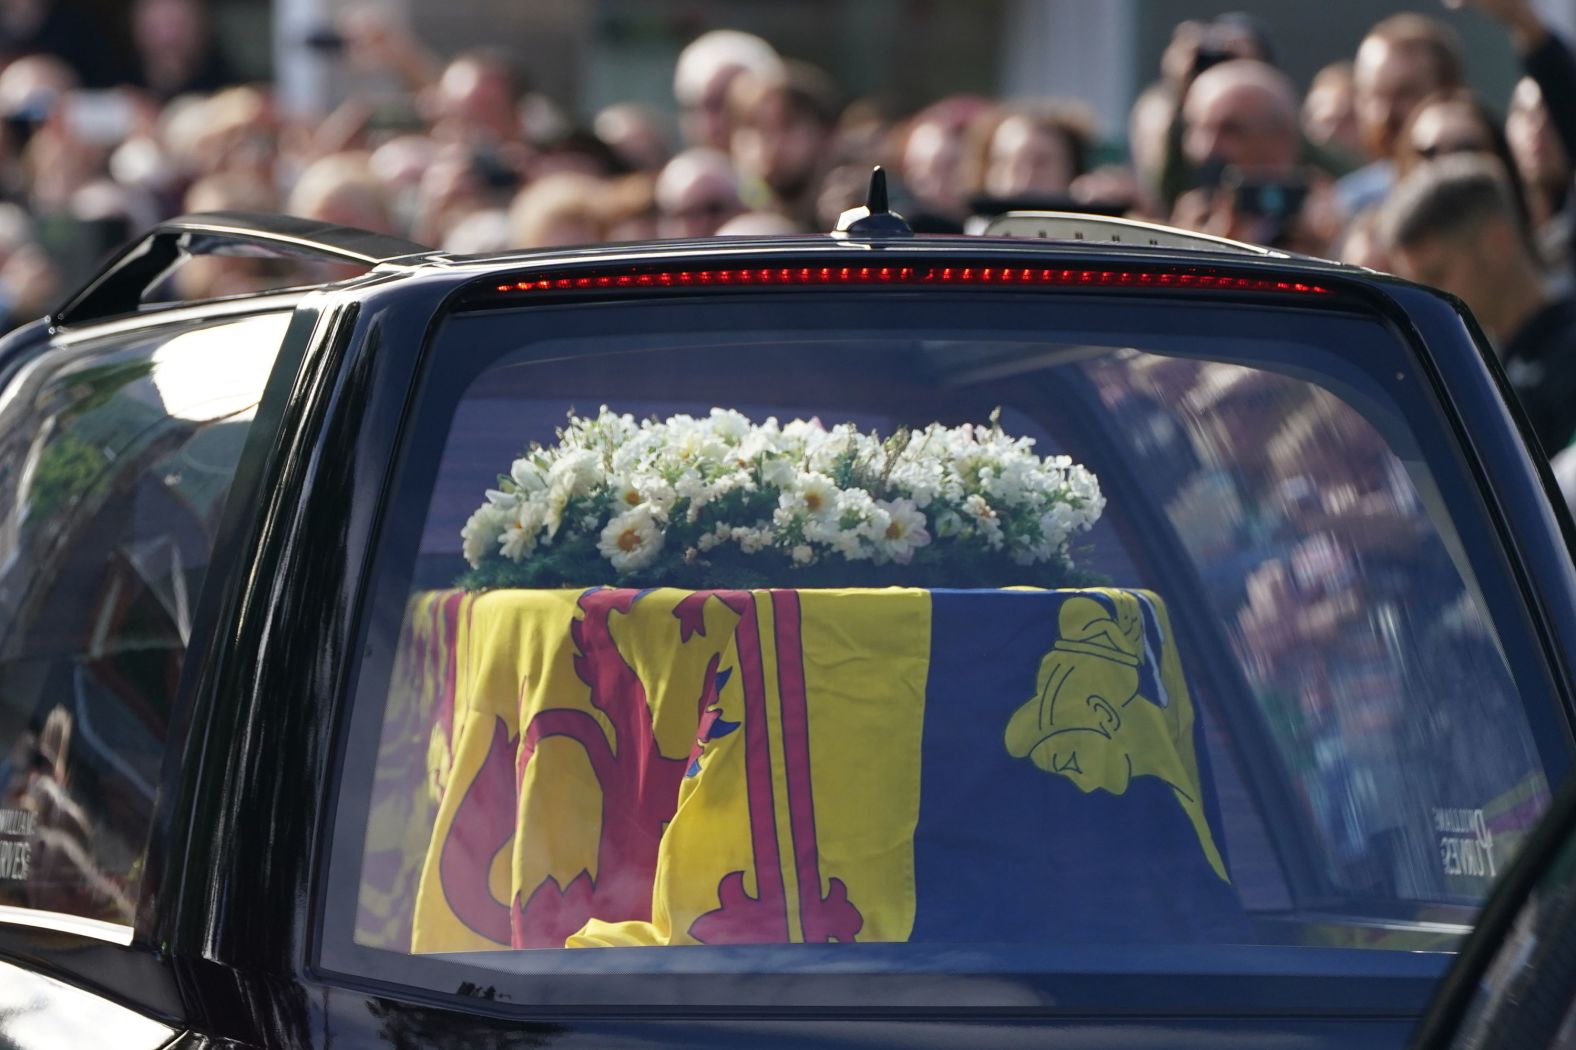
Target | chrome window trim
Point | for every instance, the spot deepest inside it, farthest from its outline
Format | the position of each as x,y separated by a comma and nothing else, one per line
60,922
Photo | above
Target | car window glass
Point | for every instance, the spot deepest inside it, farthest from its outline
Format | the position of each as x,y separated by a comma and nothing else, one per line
115,458
832,636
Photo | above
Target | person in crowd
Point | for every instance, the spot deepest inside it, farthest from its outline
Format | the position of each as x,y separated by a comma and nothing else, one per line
1195,48
1030,149
341,189
239,132
1243,114
1329,111
478,99
783,131
696,192
1149,130
1240,131
486,231
1457,121
1401,61
1542,129
931,162
1360,244
634,133
1545,170
1453,224
704,74
176,53
401,163
378,44
210,276
557,210
459,179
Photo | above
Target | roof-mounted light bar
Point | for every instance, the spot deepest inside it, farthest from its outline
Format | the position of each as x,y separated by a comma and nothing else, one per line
1191,278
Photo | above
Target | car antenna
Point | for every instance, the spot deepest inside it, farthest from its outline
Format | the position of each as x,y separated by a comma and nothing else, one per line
873,218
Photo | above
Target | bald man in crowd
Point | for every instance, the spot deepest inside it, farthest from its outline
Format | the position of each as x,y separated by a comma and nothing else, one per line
1241,127
705,72
696,192
1244,114
1452,223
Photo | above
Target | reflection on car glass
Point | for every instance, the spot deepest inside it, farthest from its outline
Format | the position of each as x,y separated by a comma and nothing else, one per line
650,652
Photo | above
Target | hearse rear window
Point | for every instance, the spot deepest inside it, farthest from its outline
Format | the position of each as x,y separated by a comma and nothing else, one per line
739,626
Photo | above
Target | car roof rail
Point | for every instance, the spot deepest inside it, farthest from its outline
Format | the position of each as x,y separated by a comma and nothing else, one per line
118,288
1105,229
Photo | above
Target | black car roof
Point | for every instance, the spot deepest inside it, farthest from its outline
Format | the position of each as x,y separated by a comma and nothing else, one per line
937,245
116,292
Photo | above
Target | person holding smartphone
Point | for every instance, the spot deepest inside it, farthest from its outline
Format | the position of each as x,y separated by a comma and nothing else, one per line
1241,133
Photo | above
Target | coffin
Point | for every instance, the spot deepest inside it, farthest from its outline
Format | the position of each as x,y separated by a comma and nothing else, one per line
565,768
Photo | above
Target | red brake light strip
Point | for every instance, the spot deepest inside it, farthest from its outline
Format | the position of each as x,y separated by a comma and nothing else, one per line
764,276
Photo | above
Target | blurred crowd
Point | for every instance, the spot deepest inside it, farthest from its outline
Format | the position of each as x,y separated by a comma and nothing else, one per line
1389,159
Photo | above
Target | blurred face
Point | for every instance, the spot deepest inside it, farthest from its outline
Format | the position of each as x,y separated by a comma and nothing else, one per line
705,122
1448,127
167,26
1239,124
634,136
698,207
1027,158
1388,83
1448,264
781,144
479,100
1329,116
1540,159
930,164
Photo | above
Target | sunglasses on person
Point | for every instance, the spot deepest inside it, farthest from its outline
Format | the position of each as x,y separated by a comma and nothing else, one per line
1445,149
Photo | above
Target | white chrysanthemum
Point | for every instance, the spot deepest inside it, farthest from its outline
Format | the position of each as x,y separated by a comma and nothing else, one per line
576,473
632,539
625,493
521,530
802,554
904,532
812,496
481,532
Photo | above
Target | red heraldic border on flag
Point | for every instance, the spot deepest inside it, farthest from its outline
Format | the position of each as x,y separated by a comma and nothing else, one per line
764,919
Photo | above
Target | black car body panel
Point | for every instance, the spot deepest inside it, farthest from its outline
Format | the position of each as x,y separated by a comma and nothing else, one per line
227,933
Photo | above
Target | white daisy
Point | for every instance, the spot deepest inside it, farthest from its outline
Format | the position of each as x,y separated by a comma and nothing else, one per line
812,496
904,533
632,540
521,528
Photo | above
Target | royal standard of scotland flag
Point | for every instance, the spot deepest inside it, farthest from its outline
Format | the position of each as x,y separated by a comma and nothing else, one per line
623,768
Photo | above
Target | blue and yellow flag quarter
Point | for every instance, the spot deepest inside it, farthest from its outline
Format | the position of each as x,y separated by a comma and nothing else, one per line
1082,800
822,766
